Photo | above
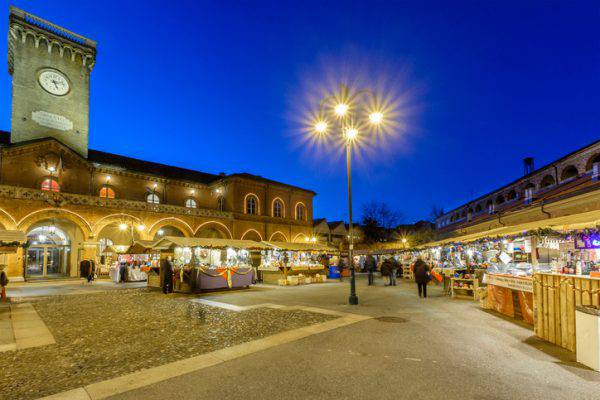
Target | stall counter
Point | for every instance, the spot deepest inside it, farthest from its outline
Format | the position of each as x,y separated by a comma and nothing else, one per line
510,295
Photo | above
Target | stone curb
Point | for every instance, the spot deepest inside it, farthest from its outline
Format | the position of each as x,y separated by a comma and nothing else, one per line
145,377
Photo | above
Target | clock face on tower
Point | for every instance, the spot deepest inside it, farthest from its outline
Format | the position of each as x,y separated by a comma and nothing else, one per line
54,82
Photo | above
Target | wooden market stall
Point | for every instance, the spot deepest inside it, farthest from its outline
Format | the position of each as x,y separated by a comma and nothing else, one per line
209,263
297,263
11,242
555,298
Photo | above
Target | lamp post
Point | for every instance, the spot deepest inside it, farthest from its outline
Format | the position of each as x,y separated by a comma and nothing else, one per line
345,117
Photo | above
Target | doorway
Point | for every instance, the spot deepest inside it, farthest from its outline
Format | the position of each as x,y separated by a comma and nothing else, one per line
47,253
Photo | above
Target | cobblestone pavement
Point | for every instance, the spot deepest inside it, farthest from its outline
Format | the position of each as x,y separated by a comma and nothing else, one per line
104,335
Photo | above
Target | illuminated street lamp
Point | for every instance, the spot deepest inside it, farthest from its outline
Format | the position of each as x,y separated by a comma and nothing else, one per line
355,114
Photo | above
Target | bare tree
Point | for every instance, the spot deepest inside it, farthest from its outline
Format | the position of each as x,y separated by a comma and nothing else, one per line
436,212
379,221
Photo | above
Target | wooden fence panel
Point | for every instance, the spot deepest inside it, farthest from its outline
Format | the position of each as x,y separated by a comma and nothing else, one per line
555,299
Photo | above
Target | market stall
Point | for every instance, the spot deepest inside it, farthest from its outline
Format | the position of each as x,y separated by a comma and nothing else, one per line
10,243
209,263
513,262
294,263
574,281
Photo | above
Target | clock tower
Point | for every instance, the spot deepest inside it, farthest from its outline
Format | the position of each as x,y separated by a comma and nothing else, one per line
50,68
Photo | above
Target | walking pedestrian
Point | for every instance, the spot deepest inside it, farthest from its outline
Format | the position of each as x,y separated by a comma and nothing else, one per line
3,282
123,272
371,267
90,272
386,270
167,268
394,271
422,276
341,266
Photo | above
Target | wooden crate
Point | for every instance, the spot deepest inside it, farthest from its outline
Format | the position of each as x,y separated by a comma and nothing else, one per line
555,297
153,280
464,293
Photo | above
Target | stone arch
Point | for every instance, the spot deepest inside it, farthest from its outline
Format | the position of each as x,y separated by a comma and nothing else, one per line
500,199
569,172
278,236
213,228
53,213
118,236
183,226
547,181
7,220
300,237
512,195
252,234
112,218
592,160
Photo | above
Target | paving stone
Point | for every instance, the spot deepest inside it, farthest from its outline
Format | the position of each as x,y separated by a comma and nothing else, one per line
104,335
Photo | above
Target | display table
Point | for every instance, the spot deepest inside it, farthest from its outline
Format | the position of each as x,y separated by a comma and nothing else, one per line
272,276
136,275
223,278
114,274
510,295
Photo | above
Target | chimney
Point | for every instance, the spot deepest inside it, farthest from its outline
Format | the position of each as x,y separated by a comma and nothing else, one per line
527,165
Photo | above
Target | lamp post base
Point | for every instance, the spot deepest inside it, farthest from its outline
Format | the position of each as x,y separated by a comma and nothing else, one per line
353,300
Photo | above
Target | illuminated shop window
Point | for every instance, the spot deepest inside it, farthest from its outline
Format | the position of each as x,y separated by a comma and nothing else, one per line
153,198
190,203
107,193
50,185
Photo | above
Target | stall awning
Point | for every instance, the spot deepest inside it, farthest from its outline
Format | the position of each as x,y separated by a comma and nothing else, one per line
10,237
169,242
141,246
303,247
562,224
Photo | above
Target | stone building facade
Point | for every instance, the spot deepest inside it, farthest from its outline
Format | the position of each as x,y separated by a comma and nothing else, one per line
73,201
564,194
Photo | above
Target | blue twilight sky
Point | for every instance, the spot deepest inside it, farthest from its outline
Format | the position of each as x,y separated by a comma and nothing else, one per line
215,86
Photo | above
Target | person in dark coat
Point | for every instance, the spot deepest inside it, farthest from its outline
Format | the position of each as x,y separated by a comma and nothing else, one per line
90,271
370,266
342,266
3,283
123,272
395,265
386,270
168,276
422,277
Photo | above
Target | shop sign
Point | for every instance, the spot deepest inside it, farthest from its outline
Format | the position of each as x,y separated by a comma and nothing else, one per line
510,282
591,241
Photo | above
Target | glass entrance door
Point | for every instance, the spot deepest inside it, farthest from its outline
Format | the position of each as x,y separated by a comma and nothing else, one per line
53,260
48,252
35,261
46,261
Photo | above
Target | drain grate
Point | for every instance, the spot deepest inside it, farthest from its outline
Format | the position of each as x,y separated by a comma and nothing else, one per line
391,320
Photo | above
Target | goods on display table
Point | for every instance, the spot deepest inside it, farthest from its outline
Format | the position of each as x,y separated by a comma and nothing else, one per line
464,285
132,267
286,263
210,263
